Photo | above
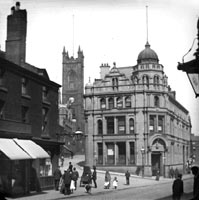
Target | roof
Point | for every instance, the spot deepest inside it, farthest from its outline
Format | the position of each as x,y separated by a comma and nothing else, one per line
147,54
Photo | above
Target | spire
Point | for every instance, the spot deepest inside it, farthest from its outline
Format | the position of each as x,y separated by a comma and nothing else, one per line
79,50
64,50
147,39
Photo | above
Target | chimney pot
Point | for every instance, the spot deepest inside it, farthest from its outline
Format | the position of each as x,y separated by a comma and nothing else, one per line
17,5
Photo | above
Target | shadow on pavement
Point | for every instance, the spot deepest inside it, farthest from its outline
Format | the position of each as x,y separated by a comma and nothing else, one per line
186,196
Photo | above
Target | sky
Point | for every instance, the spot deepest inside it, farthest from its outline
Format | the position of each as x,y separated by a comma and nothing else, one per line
111,31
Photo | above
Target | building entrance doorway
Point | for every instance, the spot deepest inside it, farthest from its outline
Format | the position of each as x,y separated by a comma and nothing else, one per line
155,162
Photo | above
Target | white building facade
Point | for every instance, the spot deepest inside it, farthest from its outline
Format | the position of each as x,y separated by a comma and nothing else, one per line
134,122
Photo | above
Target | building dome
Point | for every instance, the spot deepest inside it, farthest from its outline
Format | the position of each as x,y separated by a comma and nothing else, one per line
147,55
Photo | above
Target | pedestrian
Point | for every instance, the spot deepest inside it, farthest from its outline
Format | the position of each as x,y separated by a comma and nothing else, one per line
70,166
115,183
157,175
88,185
176,172
94,176
62,160
178,188
67,181
127,174
57,175
171,173
75,176
107,180
195,172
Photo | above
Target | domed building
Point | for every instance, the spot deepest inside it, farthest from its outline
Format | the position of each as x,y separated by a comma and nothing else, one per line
133,120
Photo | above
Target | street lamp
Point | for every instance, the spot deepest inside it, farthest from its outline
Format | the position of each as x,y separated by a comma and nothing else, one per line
142,152
192,68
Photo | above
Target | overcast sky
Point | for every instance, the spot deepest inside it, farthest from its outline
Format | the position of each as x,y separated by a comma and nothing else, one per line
111,31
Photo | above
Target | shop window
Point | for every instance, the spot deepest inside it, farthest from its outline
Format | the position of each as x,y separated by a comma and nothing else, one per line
121,153
160,123
131,126
111,103
156,101
152,123
100,153
99,127
103,103
24,114
119,103
121,125
110,153
128,102
45,167
110,125
132,152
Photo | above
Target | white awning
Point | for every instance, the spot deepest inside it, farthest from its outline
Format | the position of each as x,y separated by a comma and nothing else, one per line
12,150
32,149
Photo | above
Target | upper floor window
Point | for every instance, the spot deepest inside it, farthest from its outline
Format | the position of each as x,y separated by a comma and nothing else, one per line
72,80
110,125
115,83
111,103
2,71
131,126
145,80
121,125
24,85
119,102
99,127
2,103
44,93
44,118
160,123
156,80
128,102
103,103
156,101
24,114
152,119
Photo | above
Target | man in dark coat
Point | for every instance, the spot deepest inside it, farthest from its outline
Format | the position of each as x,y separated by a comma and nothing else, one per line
94,176
75,176
57,175
178,188
67,181
127,174
195,172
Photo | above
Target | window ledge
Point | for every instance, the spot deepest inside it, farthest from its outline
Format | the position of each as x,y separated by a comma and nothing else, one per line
4,89
26,96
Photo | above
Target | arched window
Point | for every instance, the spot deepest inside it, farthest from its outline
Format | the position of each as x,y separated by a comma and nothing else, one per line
128,102
111,103
131,126
156,101
99,127
103,103
119,102
156,80
115,83
72,79
145,80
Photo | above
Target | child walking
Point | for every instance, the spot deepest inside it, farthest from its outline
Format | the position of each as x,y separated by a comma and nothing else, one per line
115,183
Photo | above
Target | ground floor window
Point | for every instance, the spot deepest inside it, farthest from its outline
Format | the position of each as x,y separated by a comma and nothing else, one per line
121,153
45,167
110,153
132,152
100,153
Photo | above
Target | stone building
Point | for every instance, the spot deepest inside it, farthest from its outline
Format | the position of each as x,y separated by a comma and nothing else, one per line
28,115
134,121
73,87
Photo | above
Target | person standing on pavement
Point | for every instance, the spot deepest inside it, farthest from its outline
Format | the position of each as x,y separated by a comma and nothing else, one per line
57,175
195,172
75,176
127,175
107,179
62,160
178,188
70,166
94,176
67,181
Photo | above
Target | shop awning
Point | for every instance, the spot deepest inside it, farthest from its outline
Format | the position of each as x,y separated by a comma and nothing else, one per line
12,150
32,149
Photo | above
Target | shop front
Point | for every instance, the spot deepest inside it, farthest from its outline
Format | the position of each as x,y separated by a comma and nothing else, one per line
18,169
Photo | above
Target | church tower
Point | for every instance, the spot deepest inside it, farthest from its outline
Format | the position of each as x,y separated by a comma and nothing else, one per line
73,86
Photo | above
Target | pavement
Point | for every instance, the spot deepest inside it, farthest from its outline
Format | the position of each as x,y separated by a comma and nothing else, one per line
135,182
